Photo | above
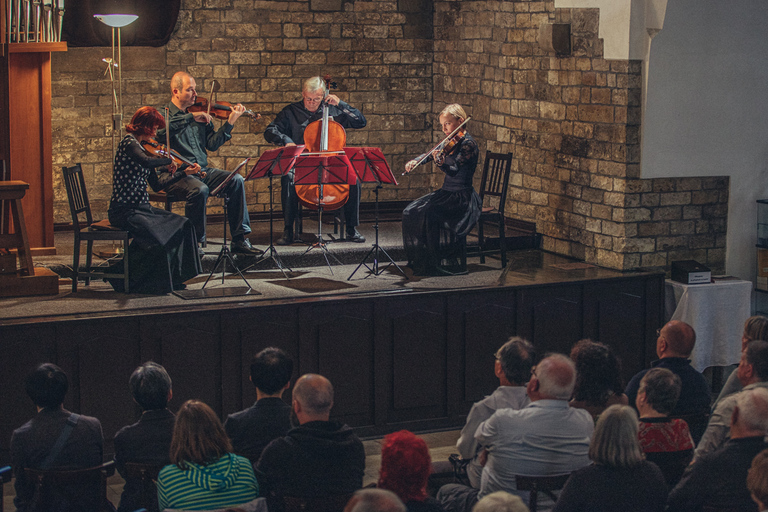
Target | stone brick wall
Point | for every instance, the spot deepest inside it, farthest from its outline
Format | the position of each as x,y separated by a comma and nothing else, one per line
572,122
573,125
379,53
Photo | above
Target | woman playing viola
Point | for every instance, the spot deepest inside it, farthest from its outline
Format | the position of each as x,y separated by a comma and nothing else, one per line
434,225
163,253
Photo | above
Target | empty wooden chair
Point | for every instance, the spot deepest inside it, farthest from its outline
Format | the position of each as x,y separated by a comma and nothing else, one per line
494,183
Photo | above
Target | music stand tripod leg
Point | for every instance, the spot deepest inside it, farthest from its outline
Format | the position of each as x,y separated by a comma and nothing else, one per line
376,249
270,253
225,254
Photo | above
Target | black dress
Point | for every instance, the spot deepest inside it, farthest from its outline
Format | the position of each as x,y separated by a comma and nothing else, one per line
163,252
434,226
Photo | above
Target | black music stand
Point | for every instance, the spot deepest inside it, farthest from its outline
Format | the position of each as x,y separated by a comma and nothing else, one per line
331,168
224,254
371,167
274,161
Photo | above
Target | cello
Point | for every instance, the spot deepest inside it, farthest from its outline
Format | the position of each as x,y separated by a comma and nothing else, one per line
324,135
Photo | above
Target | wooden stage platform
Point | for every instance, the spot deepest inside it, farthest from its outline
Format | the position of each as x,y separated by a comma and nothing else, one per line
401,353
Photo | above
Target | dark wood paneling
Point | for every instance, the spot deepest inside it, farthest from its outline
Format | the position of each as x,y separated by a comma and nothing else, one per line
551,317
410,360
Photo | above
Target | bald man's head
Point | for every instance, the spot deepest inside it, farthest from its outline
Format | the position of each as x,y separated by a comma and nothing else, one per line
315,394
676,339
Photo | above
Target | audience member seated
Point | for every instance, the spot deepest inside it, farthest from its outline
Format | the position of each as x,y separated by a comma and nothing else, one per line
500,501
674,346
513,369
755,328
757,480
147,441
405,467
752,373
269,418
665,441
620,479
54,439
374,500
318,459
718,479
547,437
203,474
598,378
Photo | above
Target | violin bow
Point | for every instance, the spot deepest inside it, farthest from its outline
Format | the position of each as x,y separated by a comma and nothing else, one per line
167,133
442,142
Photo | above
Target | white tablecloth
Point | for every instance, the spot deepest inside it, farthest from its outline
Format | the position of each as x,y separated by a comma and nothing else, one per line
717,311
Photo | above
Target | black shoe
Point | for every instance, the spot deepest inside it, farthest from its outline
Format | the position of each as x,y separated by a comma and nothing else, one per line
287,238
356,237
244,247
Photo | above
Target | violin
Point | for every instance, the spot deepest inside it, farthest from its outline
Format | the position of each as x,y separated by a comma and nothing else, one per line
320,136
153,147
218,109
445,146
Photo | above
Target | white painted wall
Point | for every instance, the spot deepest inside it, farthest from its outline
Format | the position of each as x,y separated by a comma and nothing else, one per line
707,108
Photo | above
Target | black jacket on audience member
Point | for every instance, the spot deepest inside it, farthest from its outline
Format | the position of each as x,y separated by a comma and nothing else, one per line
718,479
147,441
252,429
32,442
316,459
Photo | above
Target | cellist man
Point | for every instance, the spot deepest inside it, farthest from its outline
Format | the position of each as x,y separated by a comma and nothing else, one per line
192,136
288,130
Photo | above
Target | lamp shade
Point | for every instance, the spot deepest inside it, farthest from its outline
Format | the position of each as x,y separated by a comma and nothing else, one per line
116,20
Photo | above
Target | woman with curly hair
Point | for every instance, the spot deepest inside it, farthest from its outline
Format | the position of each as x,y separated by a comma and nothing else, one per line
405,468
598,378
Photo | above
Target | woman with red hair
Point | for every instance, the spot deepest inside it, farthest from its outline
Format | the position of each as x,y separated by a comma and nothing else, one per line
163,253
405,468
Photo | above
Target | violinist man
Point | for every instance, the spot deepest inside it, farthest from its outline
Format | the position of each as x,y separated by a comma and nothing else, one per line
288,130
192,136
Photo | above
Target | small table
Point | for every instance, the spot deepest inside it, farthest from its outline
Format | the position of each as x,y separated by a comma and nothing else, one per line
717,311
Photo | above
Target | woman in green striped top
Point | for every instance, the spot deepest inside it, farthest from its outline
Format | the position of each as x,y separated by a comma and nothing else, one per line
203,474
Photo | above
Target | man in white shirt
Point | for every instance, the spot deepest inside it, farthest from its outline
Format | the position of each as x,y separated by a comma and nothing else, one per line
512,367
547,437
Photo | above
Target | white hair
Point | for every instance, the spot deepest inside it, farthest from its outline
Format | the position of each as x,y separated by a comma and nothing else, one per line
557,376
500,501
753,408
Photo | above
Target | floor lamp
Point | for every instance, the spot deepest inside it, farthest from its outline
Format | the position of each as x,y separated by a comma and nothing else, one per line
116,21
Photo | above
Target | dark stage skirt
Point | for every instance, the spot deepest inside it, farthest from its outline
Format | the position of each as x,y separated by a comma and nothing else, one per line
163,252
434,230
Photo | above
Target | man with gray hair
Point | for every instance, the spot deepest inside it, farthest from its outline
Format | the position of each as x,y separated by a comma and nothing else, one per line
719,479
147,441
547,437
752,373
512,366
287,129
318,459
374,500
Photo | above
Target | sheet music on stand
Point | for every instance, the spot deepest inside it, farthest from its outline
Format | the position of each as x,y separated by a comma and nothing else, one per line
215,192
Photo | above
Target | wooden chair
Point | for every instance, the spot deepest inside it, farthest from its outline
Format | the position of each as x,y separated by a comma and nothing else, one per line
78,487
5,477
146,476
494,183
77,194
537,484
164,198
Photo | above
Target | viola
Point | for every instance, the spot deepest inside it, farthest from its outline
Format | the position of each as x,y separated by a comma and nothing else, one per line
445,146
320,136
153,147
218,109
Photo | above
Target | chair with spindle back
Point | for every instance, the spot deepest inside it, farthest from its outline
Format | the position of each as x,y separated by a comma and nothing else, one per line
540,484
494,183
74,181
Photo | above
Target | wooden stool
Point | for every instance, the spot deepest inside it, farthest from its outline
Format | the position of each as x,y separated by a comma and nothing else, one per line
11,193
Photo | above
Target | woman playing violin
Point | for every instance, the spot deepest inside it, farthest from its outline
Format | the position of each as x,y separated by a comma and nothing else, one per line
435,224
163,253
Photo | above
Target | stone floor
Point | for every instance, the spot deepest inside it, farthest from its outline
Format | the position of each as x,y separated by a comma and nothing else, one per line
441,445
